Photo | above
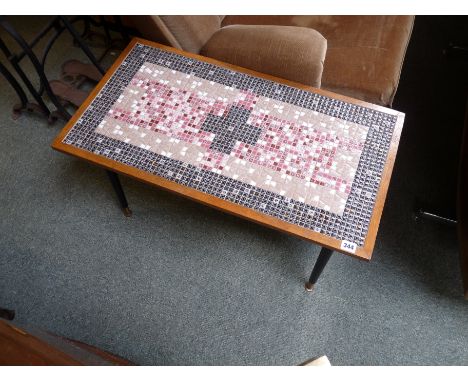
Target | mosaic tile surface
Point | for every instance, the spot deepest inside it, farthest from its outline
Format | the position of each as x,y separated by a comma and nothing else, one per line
304,158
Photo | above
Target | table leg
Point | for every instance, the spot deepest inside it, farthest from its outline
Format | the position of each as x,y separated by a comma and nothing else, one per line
322,260
114,178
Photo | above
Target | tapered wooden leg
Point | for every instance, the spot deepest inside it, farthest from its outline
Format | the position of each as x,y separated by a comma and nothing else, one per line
322,260
114,178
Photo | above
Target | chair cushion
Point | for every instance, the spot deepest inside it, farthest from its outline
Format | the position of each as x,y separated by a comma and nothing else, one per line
293,53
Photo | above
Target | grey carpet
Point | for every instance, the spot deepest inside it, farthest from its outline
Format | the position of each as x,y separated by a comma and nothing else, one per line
182,284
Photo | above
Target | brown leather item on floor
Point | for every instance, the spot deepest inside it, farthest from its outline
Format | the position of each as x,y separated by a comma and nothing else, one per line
75,68
68,93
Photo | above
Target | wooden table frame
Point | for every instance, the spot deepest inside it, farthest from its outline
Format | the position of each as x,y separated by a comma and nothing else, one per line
328,244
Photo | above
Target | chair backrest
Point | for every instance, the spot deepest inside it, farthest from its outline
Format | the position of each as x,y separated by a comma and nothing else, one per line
188,33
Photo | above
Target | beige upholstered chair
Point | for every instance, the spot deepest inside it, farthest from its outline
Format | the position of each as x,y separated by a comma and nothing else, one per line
359,56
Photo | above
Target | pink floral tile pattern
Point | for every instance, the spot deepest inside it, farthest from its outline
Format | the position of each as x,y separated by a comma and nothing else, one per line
299,153
301,157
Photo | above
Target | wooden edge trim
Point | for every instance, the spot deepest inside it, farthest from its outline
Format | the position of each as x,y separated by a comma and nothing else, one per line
384,184
34,348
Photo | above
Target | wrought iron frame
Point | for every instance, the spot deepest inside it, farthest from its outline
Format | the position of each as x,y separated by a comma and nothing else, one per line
58,25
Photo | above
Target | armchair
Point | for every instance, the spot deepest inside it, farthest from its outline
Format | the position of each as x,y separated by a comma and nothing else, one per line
358,56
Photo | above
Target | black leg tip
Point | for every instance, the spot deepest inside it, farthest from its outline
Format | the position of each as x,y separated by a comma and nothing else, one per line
127,212
309,287
7,314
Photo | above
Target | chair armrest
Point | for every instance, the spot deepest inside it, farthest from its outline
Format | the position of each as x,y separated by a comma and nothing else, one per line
293,53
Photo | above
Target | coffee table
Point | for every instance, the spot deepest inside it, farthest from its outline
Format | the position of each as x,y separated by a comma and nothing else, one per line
301,160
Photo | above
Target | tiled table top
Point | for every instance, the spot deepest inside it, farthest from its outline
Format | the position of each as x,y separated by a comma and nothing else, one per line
300,161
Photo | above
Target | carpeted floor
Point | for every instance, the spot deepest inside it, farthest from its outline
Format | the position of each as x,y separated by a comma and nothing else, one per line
180,283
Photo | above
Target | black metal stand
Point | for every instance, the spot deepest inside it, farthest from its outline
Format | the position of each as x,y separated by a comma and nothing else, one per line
322,260
82,44
24,103
448,217
456,51
38,65
7,314
423,211
114,178
420,214
58,25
